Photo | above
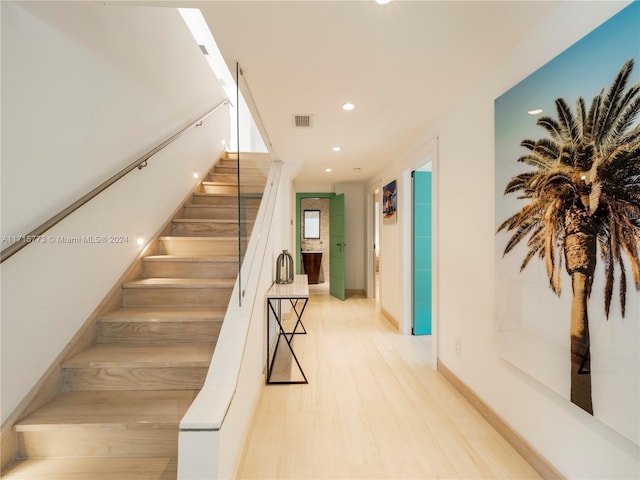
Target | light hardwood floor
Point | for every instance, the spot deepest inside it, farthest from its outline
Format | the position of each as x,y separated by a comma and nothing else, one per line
374,408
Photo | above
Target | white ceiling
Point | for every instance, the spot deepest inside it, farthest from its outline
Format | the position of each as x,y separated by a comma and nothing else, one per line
402,64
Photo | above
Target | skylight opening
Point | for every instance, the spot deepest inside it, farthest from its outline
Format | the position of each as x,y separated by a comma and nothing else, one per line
204,39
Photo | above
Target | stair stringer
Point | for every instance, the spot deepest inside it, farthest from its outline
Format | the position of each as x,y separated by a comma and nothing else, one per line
213,429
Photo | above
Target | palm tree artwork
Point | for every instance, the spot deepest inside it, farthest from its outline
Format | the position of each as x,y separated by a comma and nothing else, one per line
583,198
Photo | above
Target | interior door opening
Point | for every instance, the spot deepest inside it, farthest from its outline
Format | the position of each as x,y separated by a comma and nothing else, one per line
422,252
320,246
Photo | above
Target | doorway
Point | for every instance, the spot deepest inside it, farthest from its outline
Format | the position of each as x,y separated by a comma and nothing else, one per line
421,227
321,244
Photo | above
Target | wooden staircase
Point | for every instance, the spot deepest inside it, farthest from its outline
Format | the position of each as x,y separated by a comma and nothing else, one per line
123,398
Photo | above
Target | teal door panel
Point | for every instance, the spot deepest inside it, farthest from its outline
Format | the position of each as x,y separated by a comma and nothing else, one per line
337,247
423,312
422,225
422,251
422,241
422,277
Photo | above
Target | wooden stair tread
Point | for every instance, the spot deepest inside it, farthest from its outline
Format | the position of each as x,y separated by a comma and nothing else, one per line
221,207
159,314
174,238
94,468
105,355
119,409
181,283
246,180
192,258
209,220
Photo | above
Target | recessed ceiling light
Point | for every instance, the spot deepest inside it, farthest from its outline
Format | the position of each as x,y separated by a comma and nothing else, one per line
382,2
535,111
348,106
336,149
328,170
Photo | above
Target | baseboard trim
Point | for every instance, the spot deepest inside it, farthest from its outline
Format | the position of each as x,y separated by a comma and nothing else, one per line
390,318
537,461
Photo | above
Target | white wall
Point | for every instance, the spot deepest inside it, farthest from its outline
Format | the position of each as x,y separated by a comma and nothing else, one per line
87,89
578,445
395,238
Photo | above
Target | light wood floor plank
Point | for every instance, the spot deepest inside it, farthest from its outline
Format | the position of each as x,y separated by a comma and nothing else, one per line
374,408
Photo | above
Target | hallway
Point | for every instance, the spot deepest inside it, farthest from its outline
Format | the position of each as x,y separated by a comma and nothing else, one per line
373,408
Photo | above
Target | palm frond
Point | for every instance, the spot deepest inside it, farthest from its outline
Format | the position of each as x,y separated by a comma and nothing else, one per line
568,126
547,149
528,144
629,109
534,245
623,289
581,116
556,184
535,161
631,137
593,117
607,261
552,223
611,103
551,126
523,229
519,182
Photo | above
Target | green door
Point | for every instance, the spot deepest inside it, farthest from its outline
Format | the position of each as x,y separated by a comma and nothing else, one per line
336,249
422,253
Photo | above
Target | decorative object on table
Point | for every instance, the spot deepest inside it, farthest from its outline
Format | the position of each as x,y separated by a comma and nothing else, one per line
389,203
284,268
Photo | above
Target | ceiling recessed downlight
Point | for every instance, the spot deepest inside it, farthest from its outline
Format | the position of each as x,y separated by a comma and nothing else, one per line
382,2
535,111
328,170
336,149
348,106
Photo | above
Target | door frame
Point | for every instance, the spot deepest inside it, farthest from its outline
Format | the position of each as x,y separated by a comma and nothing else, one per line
298,230
430,153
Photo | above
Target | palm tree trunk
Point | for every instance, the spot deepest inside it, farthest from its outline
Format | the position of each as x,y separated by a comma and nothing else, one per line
580,256
580,351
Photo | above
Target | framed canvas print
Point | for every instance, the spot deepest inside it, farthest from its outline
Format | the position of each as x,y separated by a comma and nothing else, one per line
390,203
567,204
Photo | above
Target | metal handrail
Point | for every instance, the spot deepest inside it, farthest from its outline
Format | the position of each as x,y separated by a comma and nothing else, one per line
140,163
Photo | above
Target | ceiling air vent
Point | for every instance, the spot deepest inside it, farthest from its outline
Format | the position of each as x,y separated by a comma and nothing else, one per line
204,49
302,120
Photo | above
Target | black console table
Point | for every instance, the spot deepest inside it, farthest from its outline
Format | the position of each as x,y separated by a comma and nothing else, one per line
297,293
